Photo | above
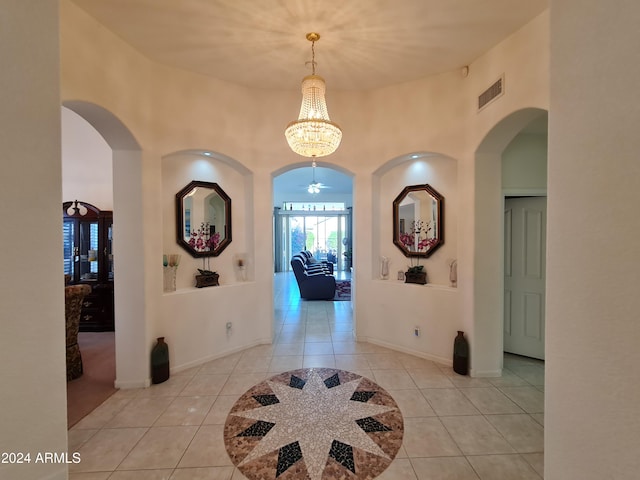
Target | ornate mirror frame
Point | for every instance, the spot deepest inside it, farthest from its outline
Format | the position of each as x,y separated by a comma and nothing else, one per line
418,237
206,231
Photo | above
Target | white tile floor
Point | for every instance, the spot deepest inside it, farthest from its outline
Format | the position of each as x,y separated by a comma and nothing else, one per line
456,428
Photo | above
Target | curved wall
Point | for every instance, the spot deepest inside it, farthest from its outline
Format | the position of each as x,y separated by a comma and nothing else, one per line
169,111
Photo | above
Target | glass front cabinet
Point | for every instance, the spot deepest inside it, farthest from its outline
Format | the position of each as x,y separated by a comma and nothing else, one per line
88,258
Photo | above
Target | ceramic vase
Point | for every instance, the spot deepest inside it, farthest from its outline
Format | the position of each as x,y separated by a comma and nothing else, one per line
384,268
460,354
170,278
160,362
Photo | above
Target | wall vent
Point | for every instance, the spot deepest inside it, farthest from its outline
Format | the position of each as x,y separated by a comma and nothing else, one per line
490,94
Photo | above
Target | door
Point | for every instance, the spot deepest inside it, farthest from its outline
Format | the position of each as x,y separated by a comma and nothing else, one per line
525,220
323,235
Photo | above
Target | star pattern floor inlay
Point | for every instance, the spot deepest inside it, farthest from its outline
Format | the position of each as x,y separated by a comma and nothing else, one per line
314,423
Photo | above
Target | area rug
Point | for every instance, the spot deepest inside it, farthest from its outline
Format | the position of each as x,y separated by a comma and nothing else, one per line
343,290
316,424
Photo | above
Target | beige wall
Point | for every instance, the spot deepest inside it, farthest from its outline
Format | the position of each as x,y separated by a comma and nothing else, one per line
592,410
524,165
32,344
87,167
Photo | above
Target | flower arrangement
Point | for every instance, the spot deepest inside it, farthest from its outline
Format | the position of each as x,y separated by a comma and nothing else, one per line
414,241
202,240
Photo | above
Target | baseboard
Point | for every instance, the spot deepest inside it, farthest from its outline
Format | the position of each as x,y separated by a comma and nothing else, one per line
201,361
485,373
196,363
132,384
427,356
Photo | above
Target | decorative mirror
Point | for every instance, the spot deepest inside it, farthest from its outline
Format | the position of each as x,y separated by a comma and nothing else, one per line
418,222
203,219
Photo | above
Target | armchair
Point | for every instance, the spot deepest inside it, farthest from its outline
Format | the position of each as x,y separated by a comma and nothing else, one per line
73,297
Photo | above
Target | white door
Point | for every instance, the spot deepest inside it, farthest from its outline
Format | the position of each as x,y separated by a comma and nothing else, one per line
525,220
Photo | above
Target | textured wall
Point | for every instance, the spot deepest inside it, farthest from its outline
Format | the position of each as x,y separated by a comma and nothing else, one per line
592,417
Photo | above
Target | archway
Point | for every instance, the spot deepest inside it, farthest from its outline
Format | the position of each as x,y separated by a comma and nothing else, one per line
326,212
319,221
488,266
129,291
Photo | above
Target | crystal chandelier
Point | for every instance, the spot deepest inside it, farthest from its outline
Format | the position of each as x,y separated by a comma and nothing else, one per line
313,134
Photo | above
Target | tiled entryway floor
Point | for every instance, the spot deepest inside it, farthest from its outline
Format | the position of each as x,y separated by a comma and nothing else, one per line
456,427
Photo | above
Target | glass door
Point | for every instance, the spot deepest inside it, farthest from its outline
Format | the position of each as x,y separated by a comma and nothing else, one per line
324,235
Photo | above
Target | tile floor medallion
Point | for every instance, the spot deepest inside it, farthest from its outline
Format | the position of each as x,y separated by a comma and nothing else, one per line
314,423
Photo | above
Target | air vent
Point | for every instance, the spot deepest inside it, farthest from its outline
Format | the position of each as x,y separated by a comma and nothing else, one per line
490,94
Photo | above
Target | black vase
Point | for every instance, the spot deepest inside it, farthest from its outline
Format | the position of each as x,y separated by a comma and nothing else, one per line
460,354
160,361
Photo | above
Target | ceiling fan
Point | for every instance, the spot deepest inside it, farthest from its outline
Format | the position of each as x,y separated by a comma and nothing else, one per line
314,187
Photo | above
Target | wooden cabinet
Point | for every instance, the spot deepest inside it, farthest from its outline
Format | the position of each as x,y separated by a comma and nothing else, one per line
88,258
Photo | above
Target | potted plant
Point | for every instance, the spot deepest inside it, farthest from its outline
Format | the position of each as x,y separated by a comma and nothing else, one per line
204,240
347,257
415,241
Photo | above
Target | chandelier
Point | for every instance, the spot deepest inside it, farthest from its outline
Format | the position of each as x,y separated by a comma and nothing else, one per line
313,134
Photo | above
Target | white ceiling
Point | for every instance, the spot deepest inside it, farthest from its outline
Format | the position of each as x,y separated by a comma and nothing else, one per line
297,181
364,44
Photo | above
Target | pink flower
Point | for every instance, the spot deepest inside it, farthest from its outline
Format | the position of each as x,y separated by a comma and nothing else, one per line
201,240
407,240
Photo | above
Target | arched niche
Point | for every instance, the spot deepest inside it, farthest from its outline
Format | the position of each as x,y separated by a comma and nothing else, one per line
234,185
438,171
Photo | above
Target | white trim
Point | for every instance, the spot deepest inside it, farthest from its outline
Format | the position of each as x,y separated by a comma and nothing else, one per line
485,373
416,353
201,361
434,358
196,363
524,192
132,384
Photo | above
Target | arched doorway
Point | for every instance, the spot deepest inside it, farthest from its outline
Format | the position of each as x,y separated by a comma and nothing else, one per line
129,291
318,220
488,283
313,211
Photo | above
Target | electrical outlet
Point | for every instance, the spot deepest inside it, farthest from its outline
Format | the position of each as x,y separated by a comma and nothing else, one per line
416,331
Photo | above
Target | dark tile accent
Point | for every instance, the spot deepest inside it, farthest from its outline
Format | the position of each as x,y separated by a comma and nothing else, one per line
332,381
266,400
343,454
258,429
287,456
297,382
370,424
363,397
